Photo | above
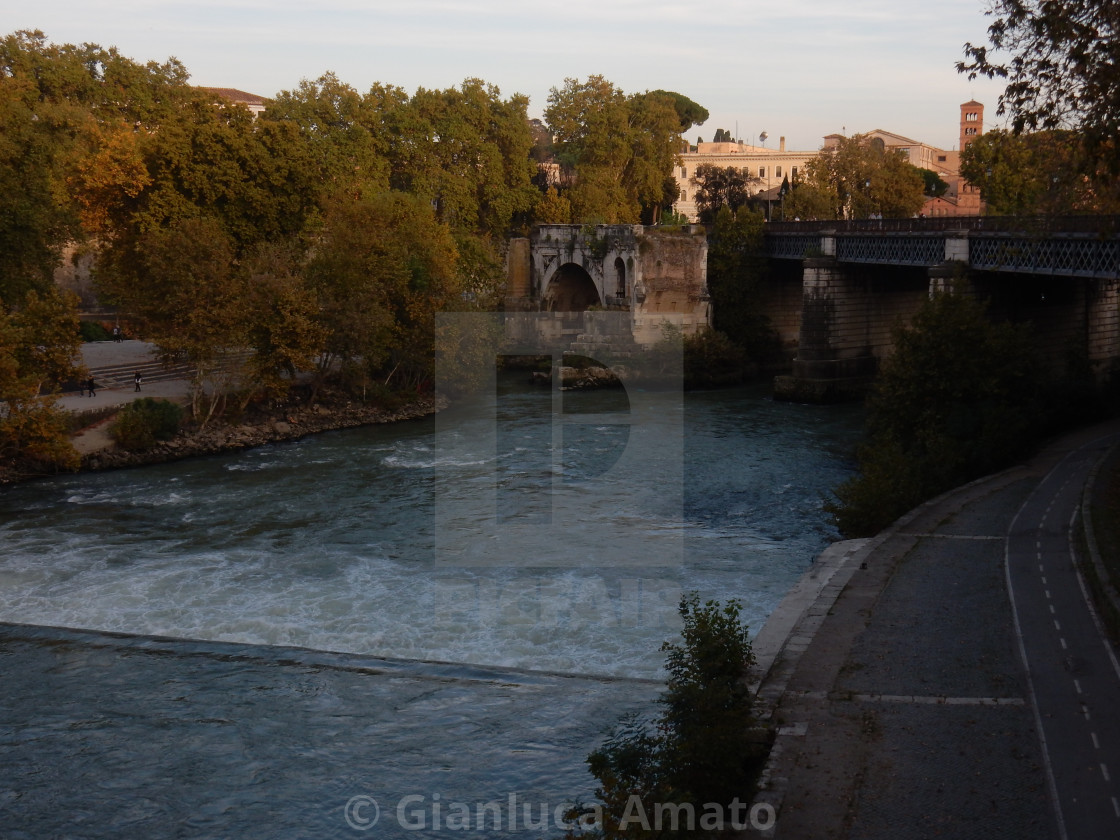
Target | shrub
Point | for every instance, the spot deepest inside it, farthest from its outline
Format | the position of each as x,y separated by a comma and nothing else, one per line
93,331
701,749
145,421
710,359
958,399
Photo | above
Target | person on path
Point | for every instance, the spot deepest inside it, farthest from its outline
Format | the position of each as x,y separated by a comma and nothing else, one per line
138,380
116,334
91,386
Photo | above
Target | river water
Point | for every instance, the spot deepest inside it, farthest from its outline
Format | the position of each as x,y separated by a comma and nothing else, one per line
307,624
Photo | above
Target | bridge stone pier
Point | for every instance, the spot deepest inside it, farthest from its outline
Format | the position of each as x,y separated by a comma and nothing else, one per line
862,279
657,275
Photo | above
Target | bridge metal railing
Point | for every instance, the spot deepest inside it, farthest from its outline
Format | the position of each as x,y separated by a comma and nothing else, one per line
1071,246
1106,225
1066,255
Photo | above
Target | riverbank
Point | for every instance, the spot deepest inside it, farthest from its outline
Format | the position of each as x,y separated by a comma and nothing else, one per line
284,420
260,427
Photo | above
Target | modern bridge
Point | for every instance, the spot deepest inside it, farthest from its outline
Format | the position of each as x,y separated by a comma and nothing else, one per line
860,278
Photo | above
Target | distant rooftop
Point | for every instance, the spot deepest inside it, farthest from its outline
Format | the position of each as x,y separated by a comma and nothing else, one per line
240,96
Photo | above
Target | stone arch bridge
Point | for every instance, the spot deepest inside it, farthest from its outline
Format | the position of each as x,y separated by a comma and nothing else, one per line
656,275
838,289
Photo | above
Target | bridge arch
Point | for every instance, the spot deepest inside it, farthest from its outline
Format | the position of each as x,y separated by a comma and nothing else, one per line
571,289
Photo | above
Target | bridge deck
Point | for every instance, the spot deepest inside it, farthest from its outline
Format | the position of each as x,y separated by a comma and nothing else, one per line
1071,246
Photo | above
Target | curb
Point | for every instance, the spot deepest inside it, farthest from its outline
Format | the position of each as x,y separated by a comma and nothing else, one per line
1106,587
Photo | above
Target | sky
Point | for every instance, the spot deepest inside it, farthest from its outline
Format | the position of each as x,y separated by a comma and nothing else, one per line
794,68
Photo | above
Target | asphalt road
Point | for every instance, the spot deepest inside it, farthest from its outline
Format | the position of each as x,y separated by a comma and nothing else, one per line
1073,674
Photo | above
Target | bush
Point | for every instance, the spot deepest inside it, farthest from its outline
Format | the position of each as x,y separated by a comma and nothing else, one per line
145,421
93,331
701,750
711,360
959,398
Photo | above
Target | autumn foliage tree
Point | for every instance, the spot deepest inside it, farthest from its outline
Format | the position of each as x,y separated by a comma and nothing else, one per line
319,237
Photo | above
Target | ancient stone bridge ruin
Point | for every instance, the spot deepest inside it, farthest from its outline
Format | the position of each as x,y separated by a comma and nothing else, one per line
658,276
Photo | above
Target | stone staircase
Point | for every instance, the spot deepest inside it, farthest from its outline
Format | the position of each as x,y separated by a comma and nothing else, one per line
120,376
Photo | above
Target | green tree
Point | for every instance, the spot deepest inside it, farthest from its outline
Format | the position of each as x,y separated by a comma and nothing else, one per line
618,151
553,209
383,267
856,178
1063,71
689,113
934,185
468,151
701,748
189,296
719,186
332,120
736,269
957,399
39,349
1035,173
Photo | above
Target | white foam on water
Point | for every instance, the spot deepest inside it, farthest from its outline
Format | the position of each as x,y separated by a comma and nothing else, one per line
330,545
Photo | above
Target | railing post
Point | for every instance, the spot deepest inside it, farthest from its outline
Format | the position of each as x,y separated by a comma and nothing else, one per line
956,246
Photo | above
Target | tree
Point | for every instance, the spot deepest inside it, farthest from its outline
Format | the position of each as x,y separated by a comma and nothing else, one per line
722,135
701,749
935,187
468,151
553,209
189,295
736,267
718,187
1035,173
688,112
856,178
38,351
383,267
331,119
1063,72
617,151
957,399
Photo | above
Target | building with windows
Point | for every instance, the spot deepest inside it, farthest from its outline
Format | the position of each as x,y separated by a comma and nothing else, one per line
767,168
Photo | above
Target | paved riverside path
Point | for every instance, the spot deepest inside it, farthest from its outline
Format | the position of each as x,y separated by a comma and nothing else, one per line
112,365
904,706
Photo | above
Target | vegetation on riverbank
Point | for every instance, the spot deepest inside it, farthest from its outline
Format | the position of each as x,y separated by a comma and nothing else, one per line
320,237
960,397
688,773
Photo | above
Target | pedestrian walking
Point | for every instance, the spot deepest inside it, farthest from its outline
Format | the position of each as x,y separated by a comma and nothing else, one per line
138,380
91,386
116,334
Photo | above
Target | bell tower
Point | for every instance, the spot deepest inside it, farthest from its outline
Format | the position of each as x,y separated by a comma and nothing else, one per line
972,122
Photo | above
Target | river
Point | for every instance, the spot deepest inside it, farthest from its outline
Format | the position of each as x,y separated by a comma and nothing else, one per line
297,632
